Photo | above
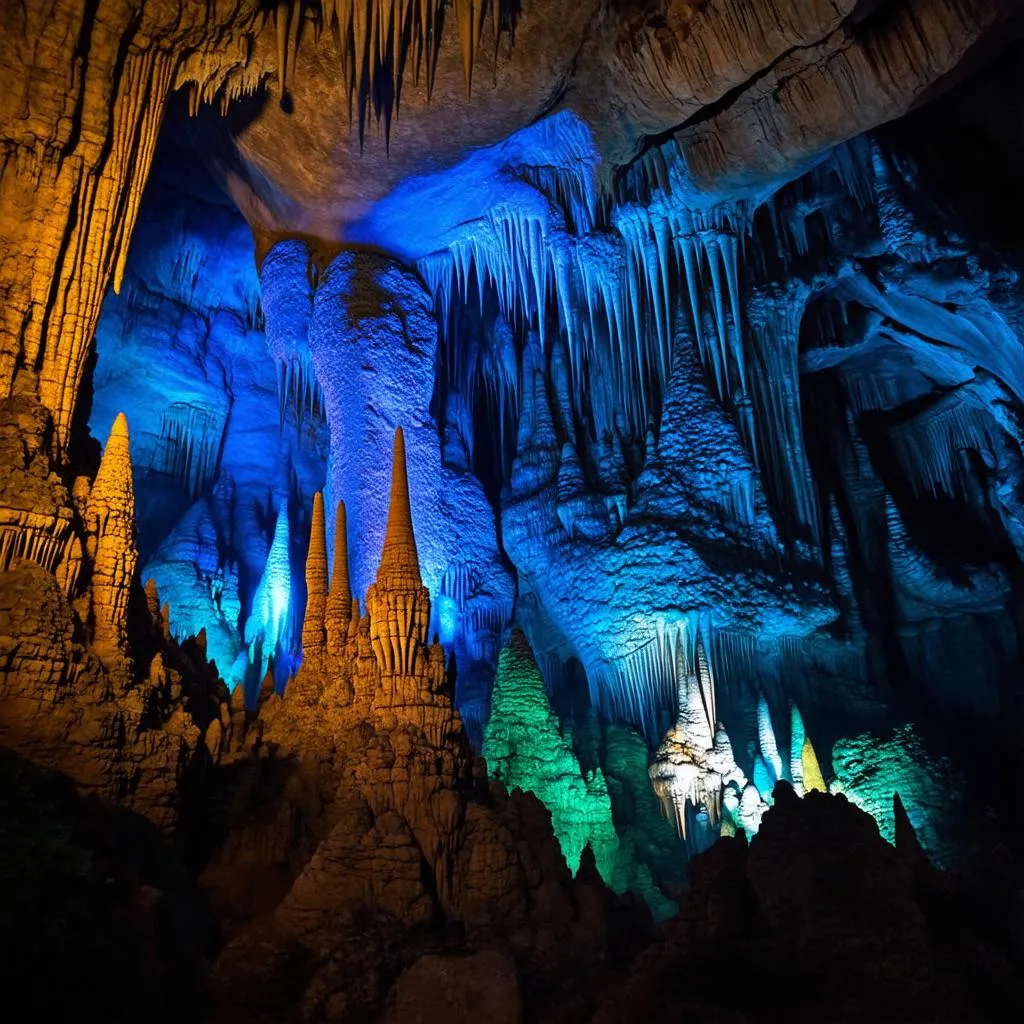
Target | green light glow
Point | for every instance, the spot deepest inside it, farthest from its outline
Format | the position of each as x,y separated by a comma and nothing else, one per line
525,749
869,769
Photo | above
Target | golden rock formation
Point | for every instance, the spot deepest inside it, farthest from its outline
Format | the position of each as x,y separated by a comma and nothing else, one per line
383,776
813,779
313,635
110,522
397,602
339,608
79,144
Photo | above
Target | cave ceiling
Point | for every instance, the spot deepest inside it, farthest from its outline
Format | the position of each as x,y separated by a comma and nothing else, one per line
747,94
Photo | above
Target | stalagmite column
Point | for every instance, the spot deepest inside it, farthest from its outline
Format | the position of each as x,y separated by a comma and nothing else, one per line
338,611
399,560
398,603
313,625
812,777
110,520
286,295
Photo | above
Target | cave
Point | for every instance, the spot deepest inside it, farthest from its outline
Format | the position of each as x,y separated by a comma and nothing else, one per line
512,510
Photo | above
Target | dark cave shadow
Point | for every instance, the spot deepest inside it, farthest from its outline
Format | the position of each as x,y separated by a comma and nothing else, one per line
98,893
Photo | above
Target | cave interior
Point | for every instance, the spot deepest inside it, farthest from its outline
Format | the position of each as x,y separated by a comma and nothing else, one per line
512,510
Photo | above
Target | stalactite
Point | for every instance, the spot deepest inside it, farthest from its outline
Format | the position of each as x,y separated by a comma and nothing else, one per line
929,446
192,438
299,390
378,40
86,205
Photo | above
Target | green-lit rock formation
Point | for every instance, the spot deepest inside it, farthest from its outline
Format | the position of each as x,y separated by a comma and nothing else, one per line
870,768
526,750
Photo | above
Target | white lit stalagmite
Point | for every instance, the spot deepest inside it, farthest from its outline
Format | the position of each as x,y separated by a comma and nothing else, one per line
695,766
695,763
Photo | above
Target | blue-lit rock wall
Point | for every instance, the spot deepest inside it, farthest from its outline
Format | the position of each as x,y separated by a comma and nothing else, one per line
783,423
182,352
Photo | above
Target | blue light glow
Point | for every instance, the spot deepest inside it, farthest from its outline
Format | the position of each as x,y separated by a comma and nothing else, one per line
447,619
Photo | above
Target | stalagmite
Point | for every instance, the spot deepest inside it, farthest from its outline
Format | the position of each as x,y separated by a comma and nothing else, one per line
763,778
525,749
339,607
766,740
797,735
399,560
313,625
397,602
751,809
110,520
268,622
694,770
813,779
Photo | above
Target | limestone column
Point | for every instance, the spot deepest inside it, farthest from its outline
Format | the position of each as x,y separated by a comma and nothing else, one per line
110,520
313,635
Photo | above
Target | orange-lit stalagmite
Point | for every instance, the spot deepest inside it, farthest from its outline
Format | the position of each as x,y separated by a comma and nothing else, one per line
110,521
339,600
397,602
313,635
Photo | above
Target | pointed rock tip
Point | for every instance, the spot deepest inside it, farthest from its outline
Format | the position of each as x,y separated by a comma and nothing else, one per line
400,554
340,523
518,642
120,427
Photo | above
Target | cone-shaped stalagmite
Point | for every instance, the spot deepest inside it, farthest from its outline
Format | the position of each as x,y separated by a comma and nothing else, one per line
339,599
398,603
313,635
813,779
525,749
110,520
399,560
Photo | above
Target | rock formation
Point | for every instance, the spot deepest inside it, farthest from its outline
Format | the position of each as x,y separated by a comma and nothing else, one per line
524,750
110,526
377,807
339,607
397,602
783,907
694,330
314,625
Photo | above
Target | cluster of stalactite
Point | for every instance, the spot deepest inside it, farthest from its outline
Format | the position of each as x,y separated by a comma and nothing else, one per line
380,41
